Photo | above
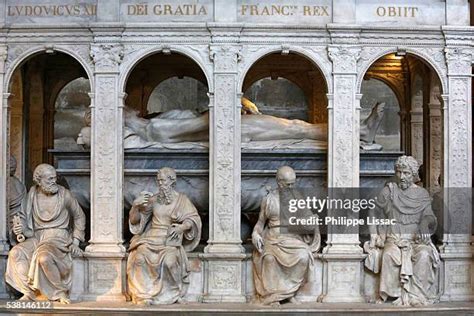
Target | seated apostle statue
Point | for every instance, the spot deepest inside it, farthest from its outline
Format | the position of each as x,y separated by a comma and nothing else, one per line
165,225
40,267
282,260
403,252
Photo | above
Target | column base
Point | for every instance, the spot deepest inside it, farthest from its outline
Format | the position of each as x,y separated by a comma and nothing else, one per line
343,278
225,248
106,272
457,281
224,278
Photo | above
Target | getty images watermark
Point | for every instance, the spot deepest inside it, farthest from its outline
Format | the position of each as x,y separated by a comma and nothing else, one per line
364,210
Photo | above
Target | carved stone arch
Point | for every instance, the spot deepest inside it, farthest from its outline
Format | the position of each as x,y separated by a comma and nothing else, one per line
128,66
17,61
265,51
437,63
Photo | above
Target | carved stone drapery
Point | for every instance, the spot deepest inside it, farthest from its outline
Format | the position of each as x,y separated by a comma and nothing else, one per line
224,251
106,251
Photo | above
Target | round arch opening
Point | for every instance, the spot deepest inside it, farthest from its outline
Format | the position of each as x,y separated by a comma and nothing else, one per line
36,87
160,68
418,89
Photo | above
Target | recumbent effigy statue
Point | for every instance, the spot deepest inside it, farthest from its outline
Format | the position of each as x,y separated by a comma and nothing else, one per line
40,267
165,225
403,253
282,259
186,129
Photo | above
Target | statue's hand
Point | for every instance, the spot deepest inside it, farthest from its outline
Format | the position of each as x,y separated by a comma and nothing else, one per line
176,230
18,229
143,199
75,250
257,241
425,238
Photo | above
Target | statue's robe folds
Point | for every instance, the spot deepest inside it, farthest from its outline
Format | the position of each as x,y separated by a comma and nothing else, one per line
156,272
16,199
409,267
287,259
42,264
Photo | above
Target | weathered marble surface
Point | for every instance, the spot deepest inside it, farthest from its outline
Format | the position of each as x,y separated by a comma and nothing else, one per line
53,224
403,253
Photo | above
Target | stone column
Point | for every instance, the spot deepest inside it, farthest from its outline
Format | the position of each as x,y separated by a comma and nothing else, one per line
416,123
343,256
436,135
4,172
223,257
106,253
457,251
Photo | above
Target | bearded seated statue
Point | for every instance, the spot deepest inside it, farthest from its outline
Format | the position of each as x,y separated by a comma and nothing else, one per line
403,253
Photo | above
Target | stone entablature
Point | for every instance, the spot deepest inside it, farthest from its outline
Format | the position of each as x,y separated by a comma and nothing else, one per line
301,12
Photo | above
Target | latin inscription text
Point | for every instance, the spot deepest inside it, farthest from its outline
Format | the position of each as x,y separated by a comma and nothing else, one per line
399,11
283,10
166,9
52,10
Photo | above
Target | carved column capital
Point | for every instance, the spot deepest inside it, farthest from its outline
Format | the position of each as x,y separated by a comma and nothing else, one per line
344,58
225,58
106,57
459,61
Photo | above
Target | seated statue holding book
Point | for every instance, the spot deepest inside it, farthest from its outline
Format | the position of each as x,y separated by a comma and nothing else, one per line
165,225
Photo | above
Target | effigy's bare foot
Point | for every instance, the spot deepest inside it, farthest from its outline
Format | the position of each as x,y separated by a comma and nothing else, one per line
398,302
294,300
379,301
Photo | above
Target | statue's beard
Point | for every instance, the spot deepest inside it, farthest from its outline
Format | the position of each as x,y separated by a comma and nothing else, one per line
50,189
404,185
165,194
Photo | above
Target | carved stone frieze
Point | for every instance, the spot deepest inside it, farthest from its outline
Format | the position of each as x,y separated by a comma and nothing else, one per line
106,57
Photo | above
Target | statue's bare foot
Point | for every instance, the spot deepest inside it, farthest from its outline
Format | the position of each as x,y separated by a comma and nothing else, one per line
294,300
144,302
64,300
398,302
25,297
275,304
379,301
181,301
